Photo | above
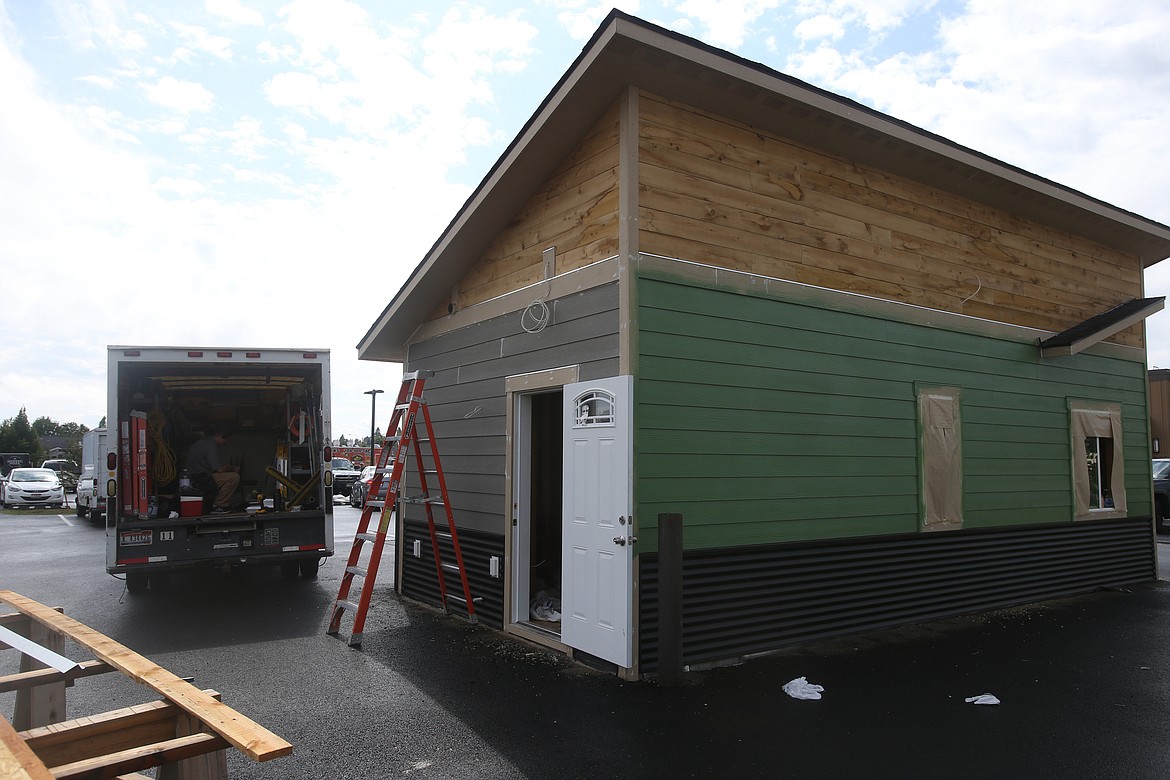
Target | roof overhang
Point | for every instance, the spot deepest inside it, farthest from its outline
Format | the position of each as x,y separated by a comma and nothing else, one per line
1100,327
626,51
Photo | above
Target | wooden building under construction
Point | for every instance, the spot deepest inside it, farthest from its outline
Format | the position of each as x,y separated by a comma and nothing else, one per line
884,378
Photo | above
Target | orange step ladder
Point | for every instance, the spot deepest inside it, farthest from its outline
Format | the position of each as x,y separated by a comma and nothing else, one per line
403,438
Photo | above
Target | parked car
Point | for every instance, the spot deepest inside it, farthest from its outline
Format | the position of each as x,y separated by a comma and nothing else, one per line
344,476
361,488
67,470
32,487
1162,494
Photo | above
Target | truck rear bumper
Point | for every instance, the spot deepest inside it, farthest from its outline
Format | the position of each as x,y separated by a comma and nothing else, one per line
271,537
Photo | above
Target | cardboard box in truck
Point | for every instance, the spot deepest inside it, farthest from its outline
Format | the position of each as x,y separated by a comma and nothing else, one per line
269,408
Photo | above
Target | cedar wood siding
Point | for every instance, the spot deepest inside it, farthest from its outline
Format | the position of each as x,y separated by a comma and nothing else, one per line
718,192
766,421
575,210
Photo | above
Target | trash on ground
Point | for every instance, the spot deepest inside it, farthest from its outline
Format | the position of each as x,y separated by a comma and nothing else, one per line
545,606
983,698
801,688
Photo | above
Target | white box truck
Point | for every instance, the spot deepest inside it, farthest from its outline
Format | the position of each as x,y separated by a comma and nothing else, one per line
268,412
91,483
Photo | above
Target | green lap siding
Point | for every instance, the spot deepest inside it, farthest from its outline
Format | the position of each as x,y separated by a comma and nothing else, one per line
763,420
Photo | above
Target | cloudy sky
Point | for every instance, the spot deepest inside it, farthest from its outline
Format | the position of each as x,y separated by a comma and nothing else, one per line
258,173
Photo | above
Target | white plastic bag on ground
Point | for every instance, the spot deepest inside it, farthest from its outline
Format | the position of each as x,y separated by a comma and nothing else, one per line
545,606
801,688
983,698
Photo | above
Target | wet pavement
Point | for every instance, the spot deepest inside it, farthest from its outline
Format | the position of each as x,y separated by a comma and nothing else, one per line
1084,684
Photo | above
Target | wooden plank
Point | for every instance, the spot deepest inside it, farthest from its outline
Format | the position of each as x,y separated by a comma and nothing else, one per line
107,732
13,682
138,758
44,703
255,741
17,761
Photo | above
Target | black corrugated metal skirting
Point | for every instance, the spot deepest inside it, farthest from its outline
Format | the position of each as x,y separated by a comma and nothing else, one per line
748,600
421,583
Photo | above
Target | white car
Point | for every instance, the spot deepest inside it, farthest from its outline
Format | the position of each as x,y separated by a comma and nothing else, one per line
32,487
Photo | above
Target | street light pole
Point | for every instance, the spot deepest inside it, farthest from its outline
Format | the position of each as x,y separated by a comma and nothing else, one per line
373,394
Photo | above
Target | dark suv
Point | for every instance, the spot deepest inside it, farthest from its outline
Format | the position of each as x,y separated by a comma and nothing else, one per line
1162,494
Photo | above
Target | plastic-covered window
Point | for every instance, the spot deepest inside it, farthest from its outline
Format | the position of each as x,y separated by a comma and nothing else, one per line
1098,466
942,458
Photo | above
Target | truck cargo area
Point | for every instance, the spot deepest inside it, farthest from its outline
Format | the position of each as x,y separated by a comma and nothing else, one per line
272,406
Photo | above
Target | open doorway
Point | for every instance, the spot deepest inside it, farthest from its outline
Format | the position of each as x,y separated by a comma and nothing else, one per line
537,496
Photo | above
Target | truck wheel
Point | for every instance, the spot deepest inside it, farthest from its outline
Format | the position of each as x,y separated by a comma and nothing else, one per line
136,581
309,568
82,512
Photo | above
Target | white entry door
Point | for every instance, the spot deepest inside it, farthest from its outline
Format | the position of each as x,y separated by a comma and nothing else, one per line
596,565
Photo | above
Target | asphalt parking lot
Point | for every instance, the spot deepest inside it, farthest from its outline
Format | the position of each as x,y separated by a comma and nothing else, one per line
1084,684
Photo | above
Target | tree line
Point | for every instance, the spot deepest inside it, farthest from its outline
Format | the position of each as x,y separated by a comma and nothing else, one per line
17,434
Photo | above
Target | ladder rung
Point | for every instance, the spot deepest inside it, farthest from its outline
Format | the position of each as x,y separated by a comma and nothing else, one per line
423,500
376,503
474,599
367,536
356,570
449,566
346,604
444,534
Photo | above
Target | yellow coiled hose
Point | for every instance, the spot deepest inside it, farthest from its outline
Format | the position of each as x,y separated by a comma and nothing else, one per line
163,467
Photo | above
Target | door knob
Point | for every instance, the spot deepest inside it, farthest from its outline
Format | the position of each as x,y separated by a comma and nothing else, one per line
620,541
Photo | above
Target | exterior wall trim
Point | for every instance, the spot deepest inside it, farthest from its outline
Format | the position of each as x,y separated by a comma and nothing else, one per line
593,275
797,292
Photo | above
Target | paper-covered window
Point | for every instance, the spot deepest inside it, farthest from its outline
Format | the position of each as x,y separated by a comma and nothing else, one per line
1098,463
942,458
595,407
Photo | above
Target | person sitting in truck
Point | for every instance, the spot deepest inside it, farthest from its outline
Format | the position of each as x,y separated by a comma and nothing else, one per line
203,464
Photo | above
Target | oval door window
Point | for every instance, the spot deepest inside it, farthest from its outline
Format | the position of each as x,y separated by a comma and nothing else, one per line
595,407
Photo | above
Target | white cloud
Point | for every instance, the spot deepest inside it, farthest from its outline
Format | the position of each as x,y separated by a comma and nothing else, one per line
234,11
185,97
101,82
876,16
199,39
819,27
725,22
